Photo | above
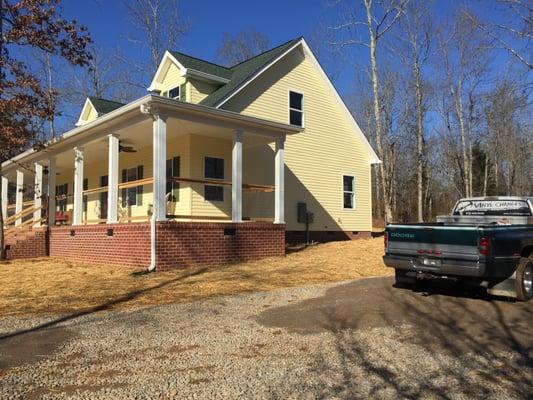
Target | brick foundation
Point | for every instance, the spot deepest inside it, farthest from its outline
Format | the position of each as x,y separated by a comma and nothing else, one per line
33,244
117,244
179,244
325,236
185,244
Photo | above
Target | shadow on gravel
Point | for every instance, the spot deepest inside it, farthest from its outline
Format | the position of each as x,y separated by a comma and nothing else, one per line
102,307
444,342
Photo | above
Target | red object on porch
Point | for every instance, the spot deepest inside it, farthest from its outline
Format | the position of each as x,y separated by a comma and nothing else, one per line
61,218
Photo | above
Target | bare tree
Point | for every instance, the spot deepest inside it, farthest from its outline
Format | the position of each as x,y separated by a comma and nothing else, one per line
513,36
159,26
241,46
380,16
416,34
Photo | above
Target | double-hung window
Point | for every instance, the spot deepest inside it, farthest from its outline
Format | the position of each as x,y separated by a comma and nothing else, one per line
213,169
85,197
173,187
132,196
348,189
296,108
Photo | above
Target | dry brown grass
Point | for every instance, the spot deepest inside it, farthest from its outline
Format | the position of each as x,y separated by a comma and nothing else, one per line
49,287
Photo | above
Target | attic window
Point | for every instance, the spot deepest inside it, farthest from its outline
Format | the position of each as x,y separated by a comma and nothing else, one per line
296,108
174,93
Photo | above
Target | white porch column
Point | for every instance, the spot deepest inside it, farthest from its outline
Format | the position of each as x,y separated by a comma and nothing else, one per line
5,199
37,196
159,166
112,180
279,192
77,214
236,177
51,191
19,196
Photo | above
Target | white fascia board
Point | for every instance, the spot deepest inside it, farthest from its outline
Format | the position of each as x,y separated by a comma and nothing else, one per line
260,72
167,57
205,76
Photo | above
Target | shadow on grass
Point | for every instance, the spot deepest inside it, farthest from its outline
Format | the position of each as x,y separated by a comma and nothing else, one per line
102,307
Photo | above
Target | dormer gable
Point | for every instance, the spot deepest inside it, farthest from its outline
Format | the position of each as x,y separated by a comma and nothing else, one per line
94,107
179,75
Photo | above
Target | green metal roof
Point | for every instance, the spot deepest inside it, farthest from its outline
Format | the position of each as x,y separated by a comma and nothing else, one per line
201,65
104,106
242,72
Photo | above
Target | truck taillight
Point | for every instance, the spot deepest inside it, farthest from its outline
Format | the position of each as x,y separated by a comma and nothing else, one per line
484,245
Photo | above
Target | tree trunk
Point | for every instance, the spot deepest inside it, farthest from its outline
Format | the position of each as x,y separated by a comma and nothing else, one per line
419,143
462,131
377,114
486,174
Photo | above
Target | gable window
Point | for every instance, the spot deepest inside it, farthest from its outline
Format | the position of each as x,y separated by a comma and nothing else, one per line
173,187
174,93
296,108
213,169
132,196
348,189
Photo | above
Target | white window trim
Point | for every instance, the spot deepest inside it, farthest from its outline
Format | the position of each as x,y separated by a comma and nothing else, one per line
354,192
289,109
167,92
212,184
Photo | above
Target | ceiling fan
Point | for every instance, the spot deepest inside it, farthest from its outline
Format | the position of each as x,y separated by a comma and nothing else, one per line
125,148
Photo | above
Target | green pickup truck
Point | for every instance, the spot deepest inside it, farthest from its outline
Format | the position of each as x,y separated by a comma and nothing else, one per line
486,241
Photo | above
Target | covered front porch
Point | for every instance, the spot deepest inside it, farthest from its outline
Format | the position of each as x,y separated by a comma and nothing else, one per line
154,160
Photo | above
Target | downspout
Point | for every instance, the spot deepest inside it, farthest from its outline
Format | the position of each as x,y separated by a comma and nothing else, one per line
146,109
153,228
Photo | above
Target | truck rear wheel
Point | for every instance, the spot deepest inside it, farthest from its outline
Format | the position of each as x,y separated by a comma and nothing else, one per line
524,279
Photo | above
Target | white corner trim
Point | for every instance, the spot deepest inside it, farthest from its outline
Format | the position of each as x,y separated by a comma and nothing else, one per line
221,103
167,57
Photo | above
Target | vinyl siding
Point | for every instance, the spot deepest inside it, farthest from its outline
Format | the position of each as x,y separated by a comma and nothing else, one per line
315,159
199,90
172,79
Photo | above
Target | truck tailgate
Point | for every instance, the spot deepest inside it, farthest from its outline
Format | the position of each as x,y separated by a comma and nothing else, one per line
434,242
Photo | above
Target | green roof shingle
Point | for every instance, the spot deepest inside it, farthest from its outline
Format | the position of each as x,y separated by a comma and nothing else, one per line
104,106
201,65
242,72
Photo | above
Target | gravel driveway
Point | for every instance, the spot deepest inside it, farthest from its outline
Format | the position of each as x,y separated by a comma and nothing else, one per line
360,339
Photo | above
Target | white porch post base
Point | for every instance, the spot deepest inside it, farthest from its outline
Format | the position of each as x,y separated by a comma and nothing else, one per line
37,197
112,181
51,191
159,165
236,177
19,196
77,214
279,191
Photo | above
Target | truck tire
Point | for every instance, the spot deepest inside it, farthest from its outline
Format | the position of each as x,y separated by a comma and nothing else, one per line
402,280
524,279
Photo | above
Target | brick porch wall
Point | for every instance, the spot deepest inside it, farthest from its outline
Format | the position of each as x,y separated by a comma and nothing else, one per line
33,245
179,244
186,244
129,244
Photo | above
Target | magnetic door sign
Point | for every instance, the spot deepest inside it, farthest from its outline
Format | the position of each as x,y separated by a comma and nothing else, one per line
492,207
